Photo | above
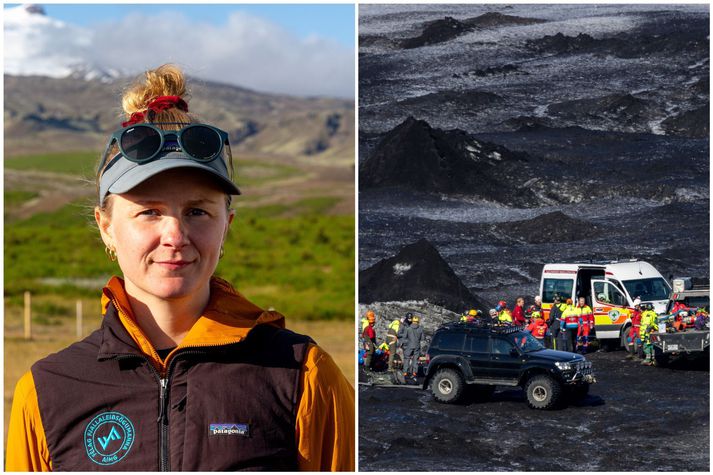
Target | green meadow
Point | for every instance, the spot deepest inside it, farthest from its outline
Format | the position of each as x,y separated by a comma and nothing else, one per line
296,258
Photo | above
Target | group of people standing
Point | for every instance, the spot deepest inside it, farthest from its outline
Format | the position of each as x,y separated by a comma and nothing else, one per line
567,327
404,336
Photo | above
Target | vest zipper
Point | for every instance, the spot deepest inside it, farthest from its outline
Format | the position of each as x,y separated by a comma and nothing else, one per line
163,427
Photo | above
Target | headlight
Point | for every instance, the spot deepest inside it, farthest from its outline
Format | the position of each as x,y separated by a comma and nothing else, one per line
562,366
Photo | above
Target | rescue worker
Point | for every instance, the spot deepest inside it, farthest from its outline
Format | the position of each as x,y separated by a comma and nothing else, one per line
538,327
392,338
365,320
518,313
553,321
412,348
633,341
649,324
493,316
369,337
538,305
470,316
504,315
585,324
401,335
569,323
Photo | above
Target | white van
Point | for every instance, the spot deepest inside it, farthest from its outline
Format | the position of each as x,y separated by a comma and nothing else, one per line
609,288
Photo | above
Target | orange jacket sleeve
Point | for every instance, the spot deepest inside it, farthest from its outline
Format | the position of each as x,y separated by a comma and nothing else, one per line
26,444
325,416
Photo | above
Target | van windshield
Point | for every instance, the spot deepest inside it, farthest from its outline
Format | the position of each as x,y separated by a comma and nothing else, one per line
562,287
655,288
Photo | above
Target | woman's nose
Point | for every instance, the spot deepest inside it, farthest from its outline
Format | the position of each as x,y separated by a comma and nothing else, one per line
173,232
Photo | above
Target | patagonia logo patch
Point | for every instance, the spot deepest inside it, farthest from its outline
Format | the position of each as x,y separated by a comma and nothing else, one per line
108,438
231,428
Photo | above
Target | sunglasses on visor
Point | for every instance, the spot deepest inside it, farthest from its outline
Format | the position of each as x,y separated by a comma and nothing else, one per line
142,143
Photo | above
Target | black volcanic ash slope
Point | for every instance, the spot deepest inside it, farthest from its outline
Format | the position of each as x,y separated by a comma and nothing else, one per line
440,31
550,227
417,272
414,155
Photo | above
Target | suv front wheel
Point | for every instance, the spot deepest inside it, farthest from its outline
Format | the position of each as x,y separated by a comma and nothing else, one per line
447,385
542,392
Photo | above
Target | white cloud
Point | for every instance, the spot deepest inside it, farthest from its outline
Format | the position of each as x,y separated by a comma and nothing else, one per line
247,51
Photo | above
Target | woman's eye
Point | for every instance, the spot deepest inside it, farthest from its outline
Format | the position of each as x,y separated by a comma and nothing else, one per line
197,212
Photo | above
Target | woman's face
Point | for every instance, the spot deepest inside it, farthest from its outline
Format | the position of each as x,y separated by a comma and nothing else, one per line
167,233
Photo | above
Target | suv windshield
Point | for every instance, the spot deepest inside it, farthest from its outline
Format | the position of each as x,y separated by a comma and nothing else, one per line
654,288
526,342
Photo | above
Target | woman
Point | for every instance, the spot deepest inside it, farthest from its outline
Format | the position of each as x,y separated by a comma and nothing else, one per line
185,373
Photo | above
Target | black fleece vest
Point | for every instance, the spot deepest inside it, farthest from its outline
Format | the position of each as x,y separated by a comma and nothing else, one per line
104,407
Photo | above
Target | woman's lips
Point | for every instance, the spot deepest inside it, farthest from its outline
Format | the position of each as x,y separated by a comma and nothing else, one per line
173,265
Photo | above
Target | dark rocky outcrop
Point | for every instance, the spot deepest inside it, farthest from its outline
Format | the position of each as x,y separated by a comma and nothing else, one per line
550,227
653,38
417,272
628,112
440,31
467,100
416,156
693,123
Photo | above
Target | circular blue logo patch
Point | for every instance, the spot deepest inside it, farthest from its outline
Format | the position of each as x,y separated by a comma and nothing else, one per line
108,438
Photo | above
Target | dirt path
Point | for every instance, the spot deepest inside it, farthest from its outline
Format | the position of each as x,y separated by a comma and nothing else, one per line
636,418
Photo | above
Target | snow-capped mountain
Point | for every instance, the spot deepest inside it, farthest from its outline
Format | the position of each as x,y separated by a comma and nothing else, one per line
37,45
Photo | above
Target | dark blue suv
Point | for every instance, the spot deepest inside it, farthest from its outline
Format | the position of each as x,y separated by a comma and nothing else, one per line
487,356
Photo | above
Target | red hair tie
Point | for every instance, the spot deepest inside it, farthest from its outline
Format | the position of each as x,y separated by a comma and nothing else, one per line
159,104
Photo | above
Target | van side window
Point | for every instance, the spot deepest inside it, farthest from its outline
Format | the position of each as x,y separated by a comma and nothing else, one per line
607,293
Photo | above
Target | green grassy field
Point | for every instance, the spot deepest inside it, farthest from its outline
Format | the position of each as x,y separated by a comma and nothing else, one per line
295,257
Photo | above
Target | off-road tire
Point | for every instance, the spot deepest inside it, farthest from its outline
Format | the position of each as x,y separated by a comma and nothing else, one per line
578,392
447,385
543,392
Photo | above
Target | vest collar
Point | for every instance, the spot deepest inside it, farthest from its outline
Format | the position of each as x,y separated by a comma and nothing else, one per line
227,319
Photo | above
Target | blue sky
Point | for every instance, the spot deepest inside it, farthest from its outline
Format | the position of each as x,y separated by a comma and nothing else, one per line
329,21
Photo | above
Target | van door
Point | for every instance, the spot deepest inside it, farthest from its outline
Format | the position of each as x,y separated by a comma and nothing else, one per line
610,308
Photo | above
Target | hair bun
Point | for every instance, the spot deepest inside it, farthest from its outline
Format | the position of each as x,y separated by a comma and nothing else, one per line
166,80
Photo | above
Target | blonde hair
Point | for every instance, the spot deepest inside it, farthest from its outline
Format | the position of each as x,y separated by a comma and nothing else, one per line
166,80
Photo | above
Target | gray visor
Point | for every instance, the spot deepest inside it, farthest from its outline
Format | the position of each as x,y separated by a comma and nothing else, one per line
123,175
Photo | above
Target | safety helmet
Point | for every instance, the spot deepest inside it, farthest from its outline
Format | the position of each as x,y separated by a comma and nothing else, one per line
472,312
479,313
556,298
649,306
370,316
601,297
409,315
637,302
416,319
536,315
502,304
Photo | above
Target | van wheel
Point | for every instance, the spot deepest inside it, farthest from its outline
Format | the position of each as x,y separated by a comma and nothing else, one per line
622,339
447,386
542,392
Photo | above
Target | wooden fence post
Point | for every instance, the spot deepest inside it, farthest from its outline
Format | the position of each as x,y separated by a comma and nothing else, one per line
28,316
79,319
